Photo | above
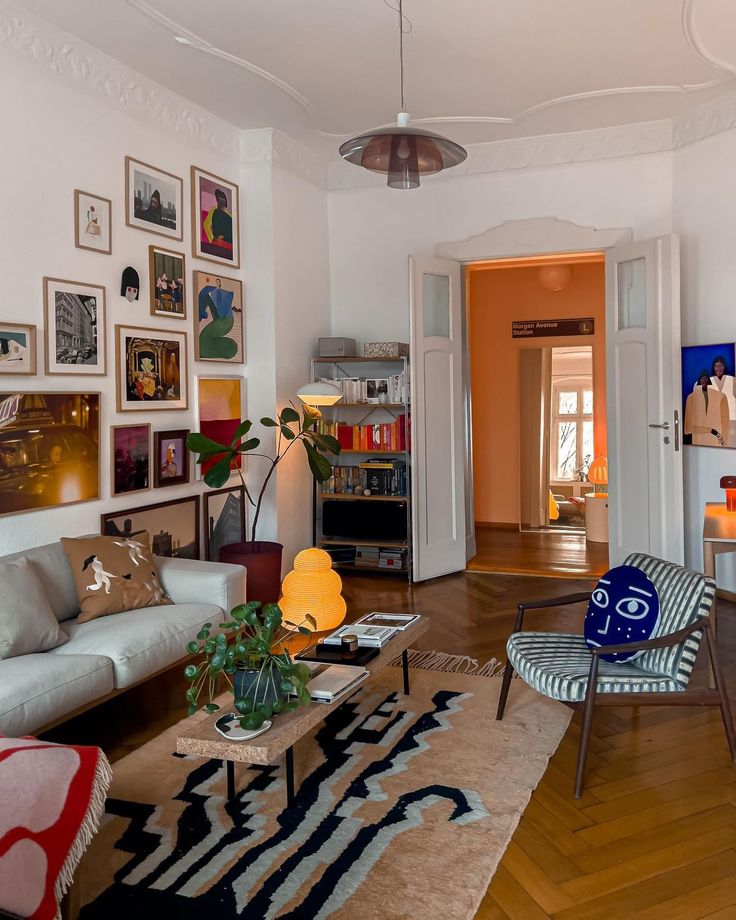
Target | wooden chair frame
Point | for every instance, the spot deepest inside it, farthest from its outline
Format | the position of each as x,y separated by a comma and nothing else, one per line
698,697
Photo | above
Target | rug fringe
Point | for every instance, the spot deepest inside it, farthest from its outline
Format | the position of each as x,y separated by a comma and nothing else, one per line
454,664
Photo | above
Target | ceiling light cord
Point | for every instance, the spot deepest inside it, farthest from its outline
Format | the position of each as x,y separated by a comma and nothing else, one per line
401,50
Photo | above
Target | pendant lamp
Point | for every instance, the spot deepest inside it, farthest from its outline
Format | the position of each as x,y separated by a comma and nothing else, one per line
402,153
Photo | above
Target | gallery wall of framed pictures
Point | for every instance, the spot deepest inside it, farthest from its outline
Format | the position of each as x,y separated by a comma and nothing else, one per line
80,440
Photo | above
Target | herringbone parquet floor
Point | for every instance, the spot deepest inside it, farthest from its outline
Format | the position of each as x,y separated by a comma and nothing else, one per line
653,838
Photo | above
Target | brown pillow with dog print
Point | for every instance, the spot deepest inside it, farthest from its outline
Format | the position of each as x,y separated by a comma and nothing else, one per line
112,574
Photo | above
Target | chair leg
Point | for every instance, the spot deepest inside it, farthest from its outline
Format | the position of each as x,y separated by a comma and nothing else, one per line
508,673
723,691
587,725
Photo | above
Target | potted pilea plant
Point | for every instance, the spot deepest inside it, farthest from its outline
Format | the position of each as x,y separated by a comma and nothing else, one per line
251,654
262,558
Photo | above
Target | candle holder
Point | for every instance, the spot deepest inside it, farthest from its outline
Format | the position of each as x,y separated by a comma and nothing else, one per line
729,484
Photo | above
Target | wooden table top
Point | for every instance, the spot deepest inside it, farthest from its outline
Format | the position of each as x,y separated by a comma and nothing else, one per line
719,524
202,739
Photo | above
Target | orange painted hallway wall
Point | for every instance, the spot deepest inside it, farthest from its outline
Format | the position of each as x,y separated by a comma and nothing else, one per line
496,297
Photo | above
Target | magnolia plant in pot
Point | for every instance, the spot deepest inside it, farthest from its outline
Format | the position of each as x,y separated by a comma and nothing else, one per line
263,558
250,652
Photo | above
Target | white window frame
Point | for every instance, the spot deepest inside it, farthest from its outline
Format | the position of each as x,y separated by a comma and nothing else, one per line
579,383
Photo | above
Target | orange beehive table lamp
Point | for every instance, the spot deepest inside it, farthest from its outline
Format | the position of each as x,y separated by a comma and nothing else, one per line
313,589
598,475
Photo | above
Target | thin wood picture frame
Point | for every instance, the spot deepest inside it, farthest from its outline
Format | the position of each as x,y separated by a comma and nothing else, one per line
218,312
215,540
139,178
181,539
144,380
168,296
164,458
96,208
75,320
215,207
18,355
126,468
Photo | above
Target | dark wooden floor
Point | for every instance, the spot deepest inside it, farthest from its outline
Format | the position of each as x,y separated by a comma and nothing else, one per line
654,835
556,554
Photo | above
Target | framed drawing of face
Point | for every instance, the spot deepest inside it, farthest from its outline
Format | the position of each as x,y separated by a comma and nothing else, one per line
171,458
151,369
75,327
173,527
224,520
166,274
49,449
17,348
215,219
130,452
218,318
92,222
153,199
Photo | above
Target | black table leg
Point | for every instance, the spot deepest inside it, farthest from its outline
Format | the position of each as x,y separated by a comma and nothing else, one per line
230,768
405,668
290,797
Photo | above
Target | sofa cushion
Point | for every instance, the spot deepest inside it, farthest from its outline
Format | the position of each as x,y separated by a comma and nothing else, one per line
27,622
113,574
38,689
140,642
53,570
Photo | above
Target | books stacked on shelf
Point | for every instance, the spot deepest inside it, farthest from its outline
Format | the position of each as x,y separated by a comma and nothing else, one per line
385,476
329,682
392,389
384,436
367,556
368,636
392,559
341,554
400,621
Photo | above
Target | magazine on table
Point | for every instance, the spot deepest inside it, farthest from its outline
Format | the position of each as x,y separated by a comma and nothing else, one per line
398,621
372,636
329,682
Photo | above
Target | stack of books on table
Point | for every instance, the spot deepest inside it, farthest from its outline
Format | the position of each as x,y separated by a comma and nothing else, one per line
329,682
369,636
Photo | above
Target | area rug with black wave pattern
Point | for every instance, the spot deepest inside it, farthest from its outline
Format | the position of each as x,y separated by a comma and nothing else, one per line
405,807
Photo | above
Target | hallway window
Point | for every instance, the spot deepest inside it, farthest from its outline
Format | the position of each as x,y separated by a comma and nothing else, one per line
572,427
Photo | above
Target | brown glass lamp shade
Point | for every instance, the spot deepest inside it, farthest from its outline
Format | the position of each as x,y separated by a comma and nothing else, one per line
403,154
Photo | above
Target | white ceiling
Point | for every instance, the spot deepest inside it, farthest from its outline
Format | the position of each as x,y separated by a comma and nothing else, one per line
477,70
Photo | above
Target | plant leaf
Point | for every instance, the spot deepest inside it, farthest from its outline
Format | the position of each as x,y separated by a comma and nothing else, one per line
192,648
243,428
268,423
219,474
210,707
289,415
287,433
319,465
250,444
201,444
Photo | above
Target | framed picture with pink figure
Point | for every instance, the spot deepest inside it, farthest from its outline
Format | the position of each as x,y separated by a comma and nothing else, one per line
215,219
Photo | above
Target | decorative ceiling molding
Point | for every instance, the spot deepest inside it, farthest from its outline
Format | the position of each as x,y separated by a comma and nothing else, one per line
268,145
518,238
91,70
704,121
545,150
696,42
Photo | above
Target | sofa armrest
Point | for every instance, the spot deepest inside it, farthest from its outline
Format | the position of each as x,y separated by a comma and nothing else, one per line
190,581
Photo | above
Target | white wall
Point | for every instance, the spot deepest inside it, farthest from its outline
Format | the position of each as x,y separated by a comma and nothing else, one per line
57,139
374,229
704,205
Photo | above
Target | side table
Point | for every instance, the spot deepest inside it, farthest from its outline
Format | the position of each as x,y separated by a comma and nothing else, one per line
719,536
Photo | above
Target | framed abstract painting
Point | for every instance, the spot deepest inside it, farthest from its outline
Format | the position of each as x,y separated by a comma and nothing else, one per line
215,219
151,369
218,318
220,406
17,348
130,452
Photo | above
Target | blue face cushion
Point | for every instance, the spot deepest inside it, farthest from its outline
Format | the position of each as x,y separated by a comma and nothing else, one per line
624,608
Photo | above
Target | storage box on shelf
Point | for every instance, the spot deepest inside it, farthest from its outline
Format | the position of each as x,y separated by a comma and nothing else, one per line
362,514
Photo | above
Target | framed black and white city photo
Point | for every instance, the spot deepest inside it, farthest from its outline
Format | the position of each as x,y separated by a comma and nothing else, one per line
74,327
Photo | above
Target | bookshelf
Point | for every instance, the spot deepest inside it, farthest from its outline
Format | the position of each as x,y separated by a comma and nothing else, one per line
366,533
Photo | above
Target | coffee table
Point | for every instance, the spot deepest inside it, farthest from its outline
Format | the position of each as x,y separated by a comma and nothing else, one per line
203,740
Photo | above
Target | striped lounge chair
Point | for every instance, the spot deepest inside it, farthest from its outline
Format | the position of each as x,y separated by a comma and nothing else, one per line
562,667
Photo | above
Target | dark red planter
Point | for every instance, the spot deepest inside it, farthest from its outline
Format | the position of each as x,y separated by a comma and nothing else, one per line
262,559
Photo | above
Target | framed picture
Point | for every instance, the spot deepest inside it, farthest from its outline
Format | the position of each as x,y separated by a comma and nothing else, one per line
166,274
17,348
92,222
49,449
220,404
224,520
215,219
75,327
172,527
376,388
709,395
218,318
130,453
151,369
153,199
171,458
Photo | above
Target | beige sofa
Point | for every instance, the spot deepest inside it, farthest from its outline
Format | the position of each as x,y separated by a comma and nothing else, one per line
111,653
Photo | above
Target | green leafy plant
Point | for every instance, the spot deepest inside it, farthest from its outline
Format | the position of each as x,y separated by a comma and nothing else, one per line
292,428
250,642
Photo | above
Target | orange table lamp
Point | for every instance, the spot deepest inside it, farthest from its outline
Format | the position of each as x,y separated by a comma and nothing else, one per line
313,588
729,484
598,475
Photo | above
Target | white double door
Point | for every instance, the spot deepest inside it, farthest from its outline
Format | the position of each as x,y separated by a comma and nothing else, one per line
643,407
